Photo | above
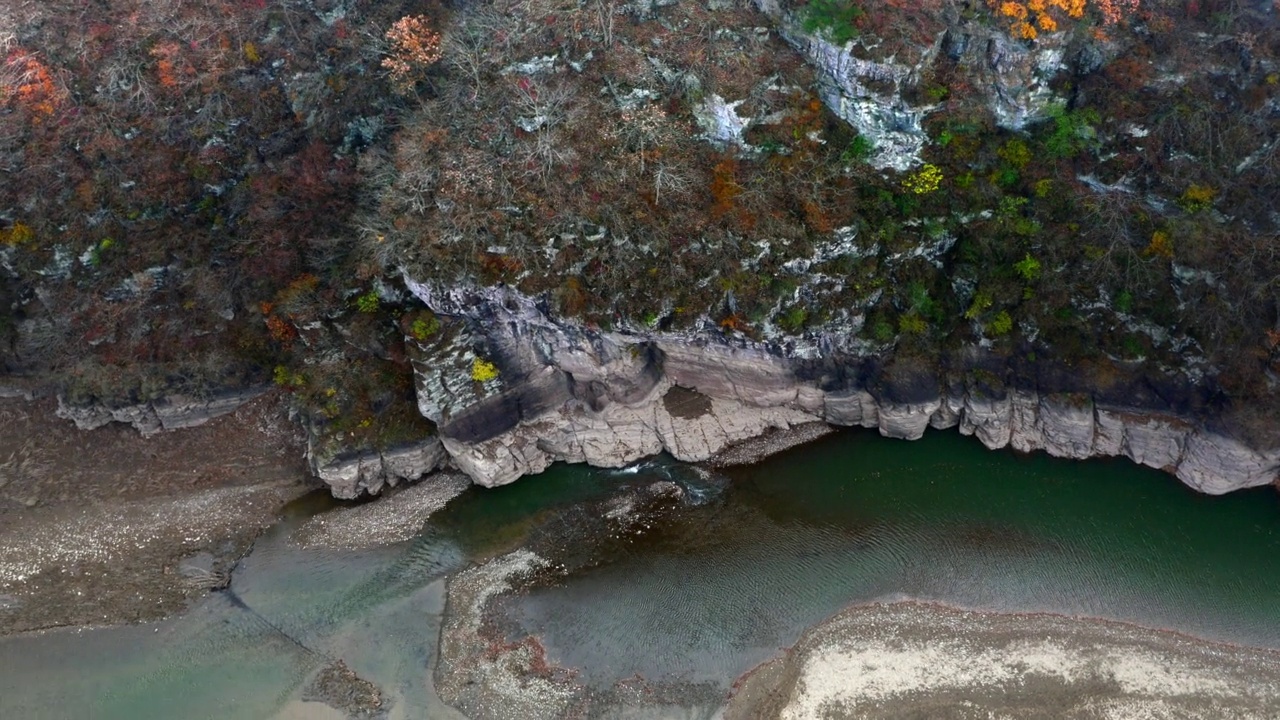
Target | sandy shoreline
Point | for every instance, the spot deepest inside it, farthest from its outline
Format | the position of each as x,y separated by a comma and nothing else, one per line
913,659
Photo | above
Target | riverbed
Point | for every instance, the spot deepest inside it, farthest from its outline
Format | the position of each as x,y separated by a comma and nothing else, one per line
732,568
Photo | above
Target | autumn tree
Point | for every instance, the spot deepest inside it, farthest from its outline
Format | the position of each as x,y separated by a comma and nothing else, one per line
27,82
1029,18
414,48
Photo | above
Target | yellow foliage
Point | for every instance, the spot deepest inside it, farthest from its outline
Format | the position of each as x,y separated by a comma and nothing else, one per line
1197,198
19,234
912,325
1029,17
923,181
483,371
251,53
1161,245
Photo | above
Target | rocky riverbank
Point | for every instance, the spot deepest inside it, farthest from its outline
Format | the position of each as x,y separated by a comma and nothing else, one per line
882,660
561,392
104,526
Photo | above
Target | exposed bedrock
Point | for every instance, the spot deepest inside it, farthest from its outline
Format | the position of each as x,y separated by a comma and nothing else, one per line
351,475
173,412
564,392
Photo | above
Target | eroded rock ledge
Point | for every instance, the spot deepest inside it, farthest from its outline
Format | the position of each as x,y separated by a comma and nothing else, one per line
172,412
568,393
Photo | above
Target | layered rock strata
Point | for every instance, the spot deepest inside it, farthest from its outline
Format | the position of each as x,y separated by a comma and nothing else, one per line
172,412
568,393
368,472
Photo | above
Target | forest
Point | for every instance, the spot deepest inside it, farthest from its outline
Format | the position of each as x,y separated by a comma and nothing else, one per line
204,195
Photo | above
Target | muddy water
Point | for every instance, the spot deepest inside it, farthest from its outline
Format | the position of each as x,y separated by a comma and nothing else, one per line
753,558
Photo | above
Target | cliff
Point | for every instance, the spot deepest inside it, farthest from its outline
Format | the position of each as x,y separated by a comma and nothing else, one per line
568,393
887,214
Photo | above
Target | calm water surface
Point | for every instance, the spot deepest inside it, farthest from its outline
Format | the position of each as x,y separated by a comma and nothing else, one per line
856,517
765,552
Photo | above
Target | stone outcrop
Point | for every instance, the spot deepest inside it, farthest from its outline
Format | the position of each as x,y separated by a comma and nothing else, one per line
172,412
354,474
566,393
865,81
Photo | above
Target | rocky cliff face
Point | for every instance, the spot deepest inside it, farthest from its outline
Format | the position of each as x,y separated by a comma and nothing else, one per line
573,394
870,84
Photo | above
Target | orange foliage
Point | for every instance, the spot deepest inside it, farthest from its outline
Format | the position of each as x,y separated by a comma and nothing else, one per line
414,46
281,330
166,55
735,323
26,80
1028,18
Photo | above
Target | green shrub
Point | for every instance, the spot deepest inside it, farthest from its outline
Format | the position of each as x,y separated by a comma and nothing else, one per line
882,330
1072,133
1124,301
793,320
1028,268
368,302
912,324
1016,153
1002,324
833,18
982,301
860,148
424,327
1005,177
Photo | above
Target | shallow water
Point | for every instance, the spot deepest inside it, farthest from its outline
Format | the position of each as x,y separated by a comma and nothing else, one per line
856,517
740,571
247,654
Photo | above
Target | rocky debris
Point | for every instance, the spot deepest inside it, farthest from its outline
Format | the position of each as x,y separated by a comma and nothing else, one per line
916,660
397,517
571,394
488,679
112,562
107,526
637,511
338,686
172,412
488,670
771,442
355,474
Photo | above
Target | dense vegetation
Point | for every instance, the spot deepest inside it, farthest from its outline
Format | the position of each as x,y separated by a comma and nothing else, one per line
198,195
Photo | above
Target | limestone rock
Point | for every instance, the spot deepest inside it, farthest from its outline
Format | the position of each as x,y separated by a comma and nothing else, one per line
172,412
352,475
573,394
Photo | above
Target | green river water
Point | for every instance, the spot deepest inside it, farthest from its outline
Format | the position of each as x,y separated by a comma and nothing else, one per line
755,556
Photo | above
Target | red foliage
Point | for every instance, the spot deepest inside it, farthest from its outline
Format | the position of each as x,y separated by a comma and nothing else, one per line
724,188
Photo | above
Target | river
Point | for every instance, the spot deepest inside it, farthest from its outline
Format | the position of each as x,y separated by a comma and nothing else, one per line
751,558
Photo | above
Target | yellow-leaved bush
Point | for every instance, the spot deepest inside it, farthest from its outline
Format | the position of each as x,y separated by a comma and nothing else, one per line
923,181
483,370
